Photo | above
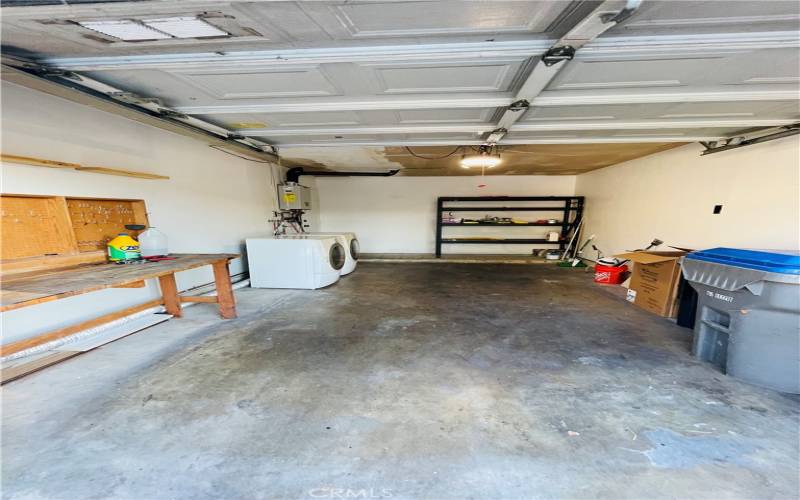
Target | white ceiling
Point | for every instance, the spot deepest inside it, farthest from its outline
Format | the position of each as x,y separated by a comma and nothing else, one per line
386,73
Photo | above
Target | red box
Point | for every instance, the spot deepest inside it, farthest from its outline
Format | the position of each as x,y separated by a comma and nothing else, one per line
610,275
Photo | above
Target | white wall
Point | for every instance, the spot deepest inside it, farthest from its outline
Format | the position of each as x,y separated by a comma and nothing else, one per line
398,214
671,196
211,202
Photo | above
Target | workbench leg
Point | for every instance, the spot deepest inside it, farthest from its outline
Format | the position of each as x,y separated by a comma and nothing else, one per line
222,277
169,292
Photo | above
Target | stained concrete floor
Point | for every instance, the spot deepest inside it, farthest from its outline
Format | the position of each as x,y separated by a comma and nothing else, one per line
403,381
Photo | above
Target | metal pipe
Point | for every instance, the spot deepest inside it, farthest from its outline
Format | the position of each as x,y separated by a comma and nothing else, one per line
294,173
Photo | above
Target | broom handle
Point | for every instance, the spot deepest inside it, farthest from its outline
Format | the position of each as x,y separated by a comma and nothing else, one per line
575,233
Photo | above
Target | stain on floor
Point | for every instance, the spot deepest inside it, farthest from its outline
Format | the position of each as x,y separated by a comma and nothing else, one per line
403,381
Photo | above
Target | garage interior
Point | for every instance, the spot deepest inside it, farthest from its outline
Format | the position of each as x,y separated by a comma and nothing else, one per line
400,249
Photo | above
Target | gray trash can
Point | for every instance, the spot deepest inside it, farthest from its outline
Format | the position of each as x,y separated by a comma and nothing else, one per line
748,314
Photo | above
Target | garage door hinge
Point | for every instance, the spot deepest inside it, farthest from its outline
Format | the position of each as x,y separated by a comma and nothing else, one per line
520,105
558,54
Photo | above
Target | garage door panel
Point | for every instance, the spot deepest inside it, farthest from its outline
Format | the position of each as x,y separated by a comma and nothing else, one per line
378,139
421,116
220,86
639,73
434,76
270,120
684,16
396,19
170,88
232,84
665,111
615,134
592,113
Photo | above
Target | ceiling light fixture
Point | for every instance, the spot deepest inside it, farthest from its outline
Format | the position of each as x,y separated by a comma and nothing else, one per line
484,159
185,27
125,29
133,30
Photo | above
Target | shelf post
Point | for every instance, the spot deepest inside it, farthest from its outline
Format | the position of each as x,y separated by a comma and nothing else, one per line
439,211
565,224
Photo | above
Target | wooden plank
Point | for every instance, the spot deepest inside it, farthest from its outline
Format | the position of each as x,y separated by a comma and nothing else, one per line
28,265
19,371
69,330
30,290
124,173
169,293
38,162
97,221
135,284
64,224
140,212
222,278
41,162
32,227
202,298
47,229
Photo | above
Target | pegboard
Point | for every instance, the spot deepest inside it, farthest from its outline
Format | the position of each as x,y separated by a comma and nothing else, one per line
34,226
96,221
52,227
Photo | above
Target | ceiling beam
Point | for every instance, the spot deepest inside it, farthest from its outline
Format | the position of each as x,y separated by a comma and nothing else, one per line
607,15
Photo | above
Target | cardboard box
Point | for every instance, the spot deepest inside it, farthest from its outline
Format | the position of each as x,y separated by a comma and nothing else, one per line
654,280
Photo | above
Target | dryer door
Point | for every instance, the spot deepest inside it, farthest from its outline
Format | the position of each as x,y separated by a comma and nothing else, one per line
355,249
336,256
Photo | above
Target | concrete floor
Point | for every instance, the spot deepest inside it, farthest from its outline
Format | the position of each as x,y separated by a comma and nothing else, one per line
454,258
403,381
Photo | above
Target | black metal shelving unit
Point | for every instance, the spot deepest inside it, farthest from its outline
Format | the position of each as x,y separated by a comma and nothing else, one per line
571,209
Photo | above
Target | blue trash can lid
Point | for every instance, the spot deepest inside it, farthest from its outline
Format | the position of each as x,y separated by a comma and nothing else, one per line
773,261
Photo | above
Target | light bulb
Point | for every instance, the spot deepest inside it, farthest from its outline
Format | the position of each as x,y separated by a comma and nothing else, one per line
480,161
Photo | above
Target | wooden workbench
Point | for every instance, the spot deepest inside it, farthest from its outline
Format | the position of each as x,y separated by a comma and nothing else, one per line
36,288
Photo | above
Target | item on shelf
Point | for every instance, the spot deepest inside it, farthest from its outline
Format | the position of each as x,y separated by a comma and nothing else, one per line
552,255
123,248
153,243
449,219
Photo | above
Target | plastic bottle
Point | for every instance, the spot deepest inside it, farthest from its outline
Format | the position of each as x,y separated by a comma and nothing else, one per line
153,243
123,247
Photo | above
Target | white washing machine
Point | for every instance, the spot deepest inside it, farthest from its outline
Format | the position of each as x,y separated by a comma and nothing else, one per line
351,246
308,263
